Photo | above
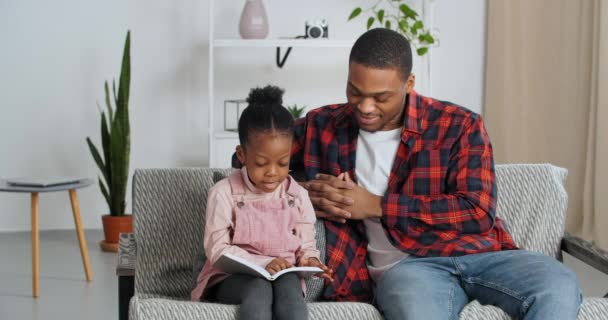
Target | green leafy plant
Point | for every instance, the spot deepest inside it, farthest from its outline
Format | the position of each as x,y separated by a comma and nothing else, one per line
296,112
115,139
398,16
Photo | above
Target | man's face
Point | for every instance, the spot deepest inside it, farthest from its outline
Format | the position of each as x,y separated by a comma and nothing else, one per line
377,96
266,157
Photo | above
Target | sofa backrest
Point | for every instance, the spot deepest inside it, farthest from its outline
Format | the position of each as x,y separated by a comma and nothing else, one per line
532,200
169,207
168,218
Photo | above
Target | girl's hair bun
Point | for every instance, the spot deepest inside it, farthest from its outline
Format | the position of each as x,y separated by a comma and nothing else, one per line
268,95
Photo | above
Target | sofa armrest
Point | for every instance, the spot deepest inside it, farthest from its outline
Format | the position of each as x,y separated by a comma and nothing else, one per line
126,255
125,270
586,252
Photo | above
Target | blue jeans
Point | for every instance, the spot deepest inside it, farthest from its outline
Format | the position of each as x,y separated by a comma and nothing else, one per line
524,284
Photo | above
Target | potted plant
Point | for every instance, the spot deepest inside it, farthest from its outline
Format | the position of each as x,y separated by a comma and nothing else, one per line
114,161
398,16
296,112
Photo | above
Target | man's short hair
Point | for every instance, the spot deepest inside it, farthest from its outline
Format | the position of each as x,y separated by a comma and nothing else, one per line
383,49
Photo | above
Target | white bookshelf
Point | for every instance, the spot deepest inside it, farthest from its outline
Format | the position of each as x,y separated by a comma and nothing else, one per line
271,43
221,144
226,135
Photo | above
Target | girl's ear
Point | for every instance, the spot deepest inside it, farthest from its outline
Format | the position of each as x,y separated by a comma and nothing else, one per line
240,154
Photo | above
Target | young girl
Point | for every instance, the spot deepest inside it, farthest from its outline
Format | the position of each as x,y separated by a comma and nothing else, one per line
262,215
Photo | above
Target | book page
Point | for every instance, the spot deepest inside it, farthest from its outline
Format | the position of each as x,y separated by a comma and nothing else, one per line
302,271
236,265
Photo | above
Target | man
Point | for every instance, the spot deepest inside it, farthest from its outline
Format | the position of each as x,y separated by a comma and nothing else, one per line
407,188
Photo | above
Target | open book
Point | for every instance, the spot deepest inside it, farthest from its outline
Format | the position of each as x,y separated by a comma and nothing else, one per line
236,265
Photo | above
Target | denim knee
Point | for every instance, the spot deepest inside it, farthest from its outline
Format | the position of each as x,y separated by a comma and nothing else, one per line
562,286
559,291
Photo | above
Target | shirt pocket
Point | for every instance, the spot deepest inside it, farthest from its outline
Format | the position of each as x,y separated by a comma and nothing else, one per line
428,172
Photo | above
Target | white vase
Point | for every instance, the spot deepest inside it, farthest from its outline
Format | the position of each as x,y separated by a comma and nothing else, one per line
254,22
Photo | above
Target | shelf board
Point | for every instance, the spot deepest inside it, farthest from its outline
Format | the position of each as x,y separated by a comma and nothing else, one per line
225,135
317,43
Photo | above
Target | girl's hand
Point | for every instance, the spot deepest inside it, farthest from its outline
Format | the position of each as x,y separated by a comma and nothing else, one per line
327,273
277,265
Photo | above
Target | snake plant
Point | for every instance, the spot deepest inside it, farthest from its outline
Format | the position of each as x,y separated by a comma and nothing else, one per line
115,139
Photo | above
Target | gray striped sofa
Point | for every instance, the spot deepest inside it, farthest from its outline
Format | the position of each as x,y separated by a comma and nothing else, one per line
165,250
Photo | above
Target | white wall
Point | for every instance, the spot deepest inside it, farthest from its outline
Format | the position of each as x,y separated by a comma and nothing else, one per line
56,55
458,64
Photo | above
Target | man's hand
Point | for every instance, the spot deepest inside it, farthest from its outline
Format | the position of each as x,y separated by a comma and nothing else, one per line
366,205
277,265
327,273
340,198
326,193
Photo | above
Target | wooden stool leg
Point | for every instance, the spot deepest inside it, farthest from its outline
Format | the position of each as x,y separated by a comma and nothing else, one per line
35,242
83,244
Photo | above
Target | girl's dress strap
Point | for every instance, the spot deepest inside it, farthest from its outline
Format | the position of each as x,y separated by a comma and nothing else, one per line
236,183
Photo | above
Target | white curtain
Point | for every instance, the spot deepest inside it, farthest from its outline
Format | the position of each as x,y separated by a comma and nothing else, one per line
547,97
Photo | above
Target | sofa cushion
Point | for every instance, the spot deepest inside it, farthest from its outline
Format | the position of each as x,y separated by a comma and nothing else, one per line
166,309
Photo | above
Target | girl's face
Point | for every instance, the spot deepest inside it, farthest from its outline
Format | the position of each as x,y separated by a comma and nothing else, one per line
266,156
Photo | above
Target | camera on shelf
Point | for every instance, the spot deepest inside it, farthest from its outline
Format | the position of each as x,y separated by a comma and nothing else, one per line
316,29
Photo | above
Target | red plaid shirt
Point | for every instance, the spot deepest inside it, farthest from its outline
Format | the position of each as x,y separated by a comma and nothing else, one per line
441,195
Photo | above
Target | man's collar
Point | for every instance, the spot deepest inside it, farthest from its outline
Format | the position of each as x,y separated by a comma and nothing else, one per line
413,121
344,116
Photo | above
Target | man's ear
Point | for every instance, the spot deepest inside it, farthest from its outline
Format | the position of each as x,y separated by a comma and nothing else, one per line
240,154
409,84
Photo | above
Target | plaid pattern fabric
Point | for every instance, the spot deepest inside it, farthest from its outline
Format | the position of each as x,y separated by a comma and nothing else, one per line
441,197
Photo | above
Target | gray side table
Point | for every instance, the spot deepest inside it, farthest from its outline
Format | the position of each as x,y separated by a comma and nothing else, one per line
71,188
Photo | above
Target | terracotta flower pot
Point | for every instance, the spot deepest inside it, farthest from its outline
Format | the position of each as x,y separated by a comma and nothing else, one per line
112,227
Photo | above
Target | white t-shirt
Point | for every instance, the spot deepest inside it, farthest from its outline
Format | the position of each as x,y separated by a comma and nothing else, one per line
376,152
